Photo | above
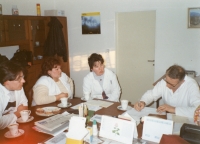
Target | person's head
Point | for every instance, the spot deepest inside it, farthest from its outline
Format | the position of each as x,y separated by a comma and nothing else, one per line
96,63
51,67
175,76
11,75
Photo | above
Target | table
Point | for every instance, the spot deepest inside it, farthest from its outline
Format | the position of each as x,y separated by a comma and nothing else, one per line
33,137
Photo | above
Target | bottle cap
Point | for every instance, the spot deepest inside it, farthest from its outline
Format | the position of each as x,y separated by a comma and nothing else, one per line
94,122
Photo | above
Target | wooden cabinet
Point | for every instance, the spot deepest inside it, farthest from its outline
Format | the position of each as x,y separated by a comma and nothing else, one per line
2,32
30,33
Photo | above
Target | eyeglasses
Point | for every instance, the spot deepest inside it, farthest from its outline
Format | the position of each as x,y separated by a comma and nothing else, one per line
19,78
170,83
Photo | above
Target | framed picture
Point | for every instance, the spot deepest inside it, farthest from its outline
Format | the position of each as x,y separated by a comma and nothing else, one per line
194,17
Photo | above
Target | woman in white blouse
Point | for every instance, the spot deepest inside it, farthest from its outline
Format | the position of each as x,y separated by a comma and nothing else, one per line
100,83
53,84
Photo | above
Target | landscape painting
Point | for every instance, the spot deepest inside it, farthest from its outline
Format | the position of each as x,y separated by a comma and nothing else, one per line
91,23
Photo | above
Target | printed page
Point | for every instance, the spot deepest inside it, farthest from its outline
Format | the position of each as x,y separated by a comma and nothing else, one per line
54,122
144,112
59,139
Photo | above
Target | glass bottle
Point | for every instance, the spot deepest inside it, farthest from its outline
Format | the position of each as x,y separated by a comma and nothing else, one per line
0,9
38,9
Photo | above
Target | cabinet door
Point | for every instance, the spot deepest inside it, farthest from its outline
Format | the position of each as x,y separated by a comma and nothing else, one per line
2,32
37,37
16,30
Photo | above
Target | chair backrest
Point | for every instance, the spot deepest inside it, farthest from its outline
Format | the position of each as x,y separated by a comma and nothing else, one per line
30,97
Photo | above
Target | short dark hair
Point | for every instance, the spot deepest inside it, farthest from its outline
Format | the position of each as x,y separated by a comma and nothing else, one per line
9,71
176,72
48,64
94,58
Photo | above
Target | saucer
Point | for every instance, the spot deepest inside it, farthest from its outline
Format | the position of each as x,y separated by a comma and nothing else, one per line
30,118
8,135
61,106
120,108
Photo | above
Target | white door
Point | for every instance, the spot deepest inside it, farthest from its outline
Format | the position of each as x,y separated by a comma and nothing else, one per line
135,37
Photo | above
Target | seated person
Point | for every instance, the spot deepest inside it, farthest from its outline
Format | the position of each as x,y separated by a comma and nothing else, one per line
100,83
179,92
12,97
197,116
53,84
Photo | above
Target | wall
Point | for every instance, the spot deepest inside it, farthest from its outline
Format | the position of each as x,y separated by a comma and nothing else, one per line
175,43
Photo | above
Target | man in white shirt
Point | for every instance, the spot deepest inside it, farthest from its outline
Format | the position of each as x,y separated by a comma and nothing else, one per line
179,92
12,97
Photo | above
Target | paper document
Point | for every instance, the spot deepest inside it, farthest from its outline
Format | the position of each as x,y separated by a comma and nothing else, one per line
90,107
96,117
59,139
136,115
100,103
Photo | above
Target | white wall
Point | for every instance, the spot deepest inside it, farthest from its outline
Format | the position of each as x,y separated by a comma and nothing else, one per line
175,43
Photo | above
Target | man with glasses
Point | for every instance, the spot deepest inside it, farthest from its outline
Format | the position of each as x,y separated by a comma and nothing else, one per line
180,93
12,97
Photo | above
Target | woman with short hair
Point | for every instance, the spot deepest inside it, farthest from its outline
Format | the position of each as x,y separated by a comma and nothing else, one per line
53,84
100,83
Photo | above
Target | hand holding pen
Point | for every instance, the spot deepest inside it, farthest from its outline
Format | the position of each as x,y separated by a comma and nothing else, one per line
139,105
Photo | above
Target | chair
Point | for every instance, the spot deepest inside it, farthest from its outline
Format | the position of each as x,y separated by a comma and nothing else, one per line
157,102
30,97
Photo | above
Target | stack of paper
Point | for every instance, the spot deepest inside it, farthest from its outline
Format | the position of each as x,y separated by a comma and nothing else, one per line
95,105
53,125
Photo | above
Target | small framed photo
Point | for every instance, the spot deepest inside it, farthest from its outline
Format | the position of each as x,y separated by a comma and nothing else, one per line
194,17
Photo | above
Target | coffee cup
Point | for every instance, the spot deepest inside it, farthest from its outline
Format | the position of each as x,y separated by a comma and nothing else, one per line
13,128
64,101
124,104
25,115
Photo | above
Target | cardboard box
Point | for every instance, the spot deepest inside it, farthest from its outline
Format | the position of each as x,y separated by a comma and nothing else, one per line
54,13
73,141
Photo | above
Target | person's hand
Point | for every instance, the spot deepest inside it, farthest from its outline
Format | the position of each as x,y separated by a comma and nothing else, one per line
166,108
20,108
61,95
196,114
139,105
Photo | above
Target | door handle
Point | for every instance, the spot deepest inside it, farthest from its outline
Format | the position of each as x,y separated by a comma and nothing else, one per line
151,60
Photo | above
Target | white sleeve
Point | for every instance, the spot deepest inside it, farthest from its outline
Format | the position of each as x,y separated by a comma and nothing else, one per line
114,96
193,102
152,95
6,120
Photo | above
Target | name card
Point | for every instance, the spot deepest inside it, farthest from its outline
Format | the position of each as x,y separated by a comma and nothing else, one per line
154,128
117,129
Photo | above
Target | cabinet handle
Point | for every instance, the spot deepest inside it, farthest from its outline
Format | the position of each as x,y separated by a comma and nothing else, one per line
31,27
19,25
14,25
37,27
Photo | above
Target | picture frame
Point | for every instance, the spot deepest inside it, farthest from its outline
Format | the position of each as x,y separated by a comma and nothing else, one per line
194,17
